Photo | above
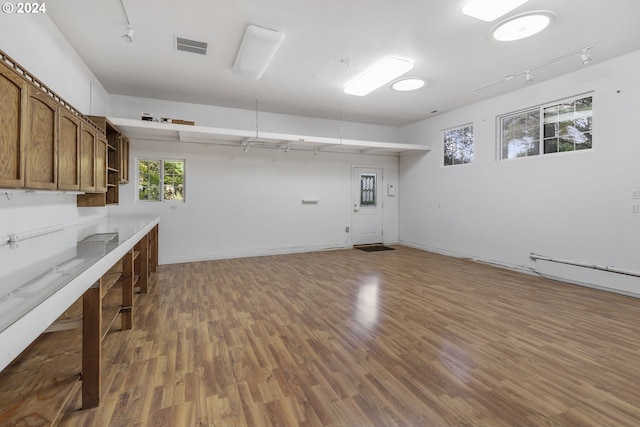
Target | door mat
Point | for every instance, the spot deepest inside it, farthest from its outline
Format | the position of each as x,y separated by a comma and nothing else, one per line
374,248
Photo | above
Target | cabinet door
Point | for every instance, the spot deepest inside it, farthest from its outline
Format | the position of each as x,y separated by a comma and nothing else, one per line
69,151
101,163
124,159
87,158
13,110
41,149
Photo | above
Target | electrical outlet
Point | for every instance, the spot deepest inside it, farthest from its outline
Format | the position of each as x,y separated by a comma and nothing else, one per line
635,208
635,194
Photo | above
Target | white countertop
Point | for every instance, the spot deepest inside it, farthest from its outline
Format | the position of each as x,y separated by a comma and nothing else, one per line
42,276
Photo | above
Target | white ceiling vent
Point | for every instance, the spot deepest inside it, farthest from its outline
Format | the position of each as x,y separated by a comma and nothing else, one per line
192,46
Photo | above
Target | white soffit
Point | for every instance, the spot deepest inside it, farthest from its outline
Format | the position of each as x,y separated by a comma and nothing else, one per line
154,131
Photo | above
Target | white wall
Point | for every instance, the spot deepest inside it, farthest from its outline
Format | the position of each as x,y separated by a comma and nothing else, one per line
221,217
36,44
574,206
244,204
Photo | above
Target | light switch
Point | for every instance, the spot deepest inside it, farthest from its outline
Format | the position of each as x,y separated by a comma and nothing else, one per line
391,190
635,208
635,194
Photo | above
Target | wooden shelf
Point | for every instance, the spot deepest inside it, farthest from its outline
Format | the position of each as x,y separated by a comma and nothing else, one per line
109,280
43,381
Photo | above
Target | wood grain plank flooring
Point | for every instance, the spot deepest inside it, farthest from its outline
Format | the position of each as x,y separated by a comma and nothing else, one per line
350,338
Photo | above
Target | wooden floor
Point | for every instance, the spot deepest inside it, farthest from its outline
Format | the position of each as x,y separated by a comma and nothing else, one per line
350,338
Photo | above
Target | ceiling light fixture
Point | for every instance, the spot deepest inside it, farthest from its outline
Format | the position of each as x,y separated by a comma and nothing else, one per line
522,26
380,74
408,84
128,35
586,58
490,10
257,49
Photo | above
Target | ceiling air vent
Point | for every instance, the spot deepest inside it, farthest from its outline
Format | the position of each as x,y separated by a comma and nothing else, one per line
192,46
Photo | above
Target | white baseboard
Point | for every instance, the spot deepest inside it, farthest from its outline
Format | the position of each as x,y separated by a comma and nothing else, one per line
513,267
179,258
528,270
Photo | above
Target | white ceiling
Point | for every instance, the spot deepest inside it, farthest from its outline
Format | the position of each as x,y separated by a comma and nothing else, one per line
452,51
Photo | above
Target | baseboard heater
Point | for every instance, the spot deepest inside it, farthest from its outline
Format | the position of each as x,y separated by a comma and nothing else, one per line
585,265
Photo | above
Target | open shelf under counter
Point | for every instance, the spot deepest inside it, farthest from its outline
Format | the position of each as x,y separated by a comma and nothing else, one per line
42,277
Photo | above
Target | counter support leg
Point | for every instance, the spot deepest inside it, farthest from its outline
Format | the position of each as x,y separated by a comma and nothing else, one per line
91,345
127,291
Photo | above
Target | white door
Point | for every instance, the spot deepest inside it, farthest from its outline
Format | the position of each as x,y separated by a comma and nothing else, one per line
367,205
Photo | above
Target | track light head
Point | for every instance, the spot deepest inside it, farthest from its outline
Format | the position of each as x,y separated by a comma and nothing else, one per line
128,36
586,58
528,77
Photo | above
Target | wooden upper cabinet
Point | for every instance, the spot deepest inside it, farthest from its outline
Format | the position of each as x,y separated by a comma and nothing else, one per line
41,169
87,158
101,163
69,151
13,110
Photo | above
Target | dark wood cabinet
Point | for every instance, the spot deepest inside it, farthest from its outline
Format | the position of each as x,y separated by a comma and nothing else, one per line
45,143
87,158
13,107
68,150
41,169
101,164
115,148
123,149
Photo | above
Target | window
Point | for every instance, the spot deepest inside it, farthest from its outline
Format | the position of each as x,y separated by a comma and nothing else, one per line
160,180
458,145
553,128
368,196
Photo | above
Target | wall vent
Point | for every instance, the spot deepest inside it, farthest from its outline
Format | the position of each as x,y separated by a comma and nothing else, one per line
192,46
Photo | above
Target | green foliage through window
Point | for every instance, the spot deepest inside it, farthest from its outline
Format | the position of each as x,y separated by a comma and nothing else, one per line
161,180
564,126
458,145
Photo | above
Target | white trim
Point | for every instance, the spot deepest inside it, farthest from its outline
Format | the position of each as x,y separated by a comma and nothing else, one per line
539,108
184,257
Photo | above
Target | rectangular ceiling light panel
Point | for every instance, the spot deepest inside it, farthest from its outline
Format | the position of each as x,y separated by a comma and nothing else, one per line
380,74
192,46
258,48
490,10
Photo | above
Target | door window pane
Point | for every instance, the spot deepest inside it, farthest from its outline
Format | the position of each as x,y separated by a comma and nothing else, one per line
368,194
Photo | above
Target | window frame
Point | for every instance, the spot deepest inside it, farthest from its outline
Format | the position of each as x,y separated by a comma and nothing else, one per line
444,143
161,162
540,110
